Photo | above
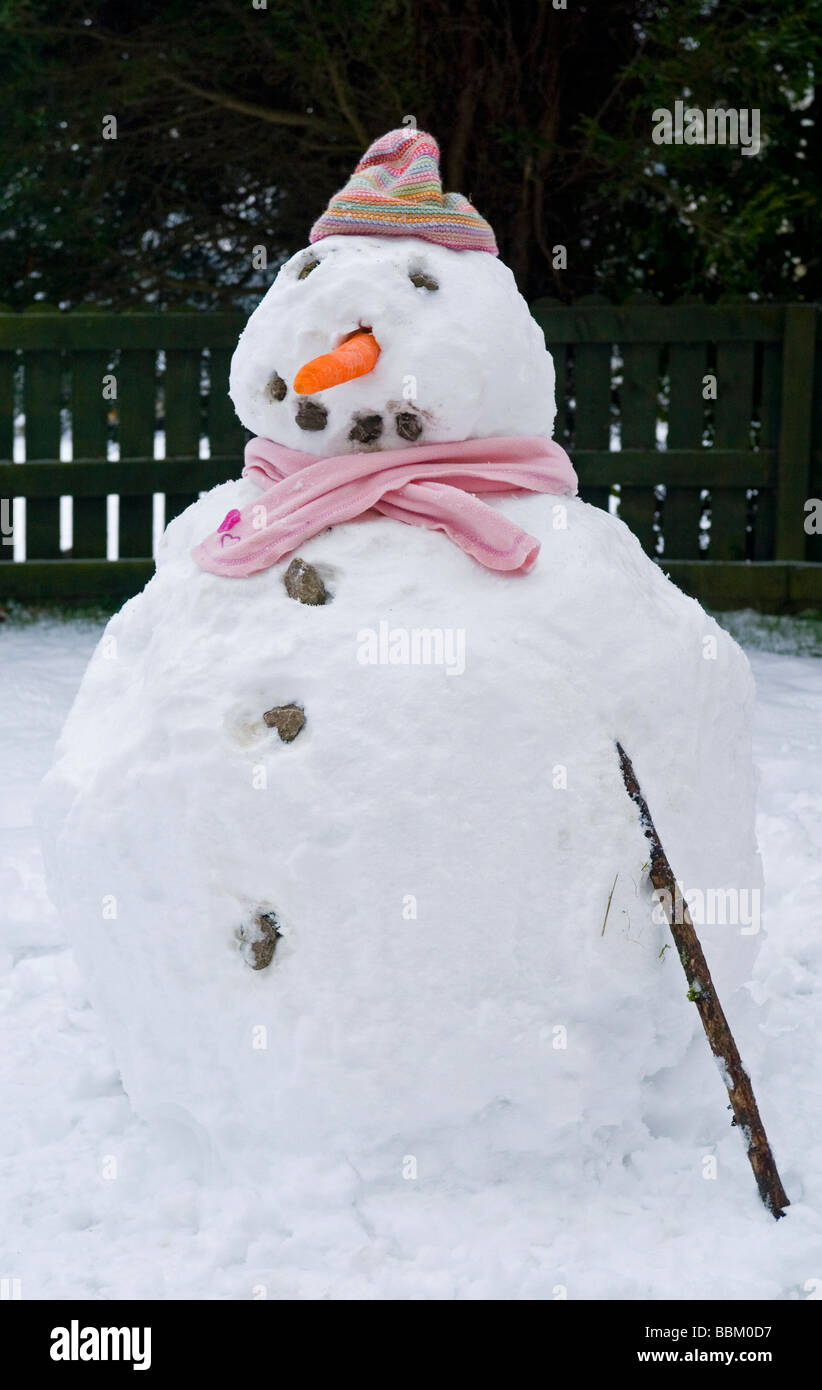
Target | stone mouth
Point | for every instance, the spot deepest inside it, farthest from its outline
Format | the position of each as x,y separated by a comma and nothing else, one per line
369,428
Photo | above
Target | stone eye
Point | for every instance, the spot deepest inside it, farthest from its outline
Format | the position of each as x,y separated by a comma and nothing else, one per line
422,281
307,269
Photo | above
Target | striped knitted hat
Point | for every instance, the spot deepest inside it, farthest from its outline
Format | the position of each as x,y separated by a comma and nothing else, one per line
396,190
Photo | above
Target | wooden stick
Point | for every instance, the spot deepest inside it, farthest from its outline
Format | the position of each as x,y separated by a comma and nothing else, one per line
701,990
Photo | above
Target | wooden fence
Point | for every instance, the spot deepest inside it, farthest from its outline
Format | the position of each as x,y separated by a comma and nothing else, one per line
715,488
713,480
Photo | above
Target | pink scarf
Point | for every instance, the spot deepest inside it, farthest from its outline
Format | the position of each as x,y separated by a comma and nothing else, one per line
430,485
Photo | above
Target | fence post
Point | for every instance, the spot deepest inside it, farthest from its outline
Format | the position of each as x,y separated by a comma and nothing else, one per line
592,393
42,402
794,450
7,366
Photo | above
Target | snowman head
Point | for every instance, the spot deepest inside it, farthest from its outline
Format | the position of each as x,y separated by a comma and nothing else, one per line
413,333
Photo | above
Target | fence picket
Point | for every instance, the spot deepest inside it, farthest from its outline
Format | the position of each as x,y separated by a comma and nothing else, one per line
7,365
592,402
42,400
733,411
183,417
562,386
770,391
225,432
562,423
813,544
687,364
638,417
796,419
89,434
137,411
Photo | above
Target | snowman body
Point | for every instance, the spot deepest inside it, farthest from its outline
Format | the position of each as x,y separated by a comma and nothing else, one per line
438,844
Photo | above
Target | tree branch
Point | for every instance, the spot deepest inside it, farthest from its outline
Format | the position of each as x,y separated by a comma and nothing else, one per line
228,102
702,992
296,119
346,107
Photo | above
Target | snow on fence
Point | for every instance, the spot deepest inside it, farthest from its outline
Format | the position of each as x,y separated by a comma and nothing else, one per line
125,417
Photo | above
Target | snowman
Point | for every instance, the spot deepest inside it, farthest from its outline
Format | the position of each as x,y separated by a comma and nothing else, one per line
336,823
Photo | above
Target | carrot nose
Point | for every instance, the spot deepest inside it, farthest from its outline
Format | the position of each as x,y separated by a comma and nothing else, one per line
354,357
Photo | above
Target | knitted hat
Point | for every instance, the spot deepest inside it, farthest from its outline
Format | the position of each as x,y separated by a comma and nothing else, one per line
396,190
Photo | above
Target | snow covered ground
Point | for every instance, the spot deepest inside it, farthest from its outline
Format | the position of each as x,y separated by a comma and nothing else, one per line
93,1205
